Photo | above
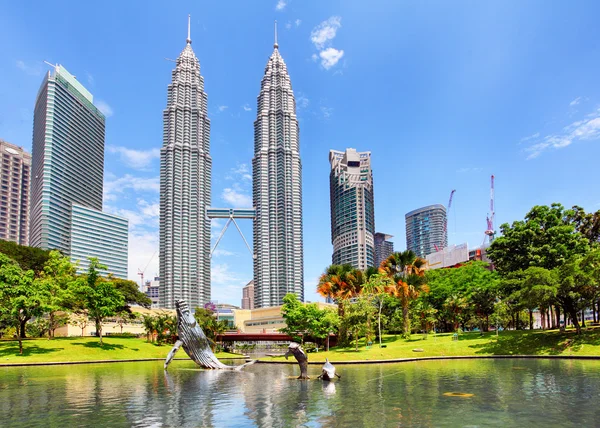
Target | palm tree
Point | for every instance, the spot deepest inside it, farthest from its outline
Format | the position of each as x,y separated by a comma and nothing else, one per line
341,283
408,275
378,284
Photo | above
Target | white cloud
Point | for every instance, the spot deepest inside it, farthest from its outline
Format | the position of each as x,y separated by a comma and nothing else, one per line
149,210
246,107
302,101
104,108
136,159
575,102
298,22
288,26
330,57
236,198
223,108
240,172
326,111
90,78
582,130
325,31
114,186
143,254
314,57
530,137
223,253
34,69
281,4
469,170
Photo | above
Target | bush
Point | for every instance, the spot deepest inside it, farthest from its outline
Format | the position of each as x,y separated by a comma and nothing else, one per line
124,334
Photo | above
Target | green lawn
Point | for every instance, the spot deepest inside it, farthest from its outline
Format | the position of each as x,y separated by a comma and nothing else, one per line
537,342
85,349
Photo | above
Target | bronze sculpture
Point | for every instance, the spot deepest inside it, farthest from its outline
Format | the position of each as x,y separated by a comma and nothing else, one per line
328,371
301,357
194,341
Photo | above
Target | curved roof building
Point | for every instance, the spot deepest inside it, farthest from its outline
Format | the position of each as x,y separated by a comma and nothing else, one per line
425,229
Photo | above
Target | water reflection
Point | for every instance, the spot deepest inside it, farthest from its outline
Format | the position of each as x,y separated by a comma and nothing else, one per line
504,393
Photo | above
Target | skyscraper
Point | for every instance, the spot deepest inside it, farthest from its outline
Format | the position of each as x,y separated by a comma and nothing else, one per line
352,211
15,172
248,296
277,189
383,247
67,177
185,183
67,158
425,229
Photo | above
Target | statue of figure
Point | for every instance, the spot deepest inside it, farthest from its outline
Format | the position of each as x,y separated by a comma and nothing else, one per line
301,357
194,341
328,371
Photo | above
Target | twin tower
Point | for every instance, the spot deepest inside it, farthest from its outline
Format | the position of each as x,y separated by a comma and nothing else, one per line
185,188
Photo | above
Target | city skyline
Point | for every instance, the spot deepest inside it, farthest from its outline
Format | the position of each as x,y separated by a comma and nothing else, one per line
498,97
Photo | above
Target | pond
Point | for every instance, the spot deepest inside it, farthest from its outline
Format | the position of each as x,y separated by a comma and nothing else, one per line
501,393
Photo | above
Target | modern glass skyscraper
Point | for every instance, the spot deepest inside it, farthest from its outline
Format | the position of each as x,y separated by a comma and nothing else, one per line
185,183
352,211
67,158
383,247
15,175
277,189
425,230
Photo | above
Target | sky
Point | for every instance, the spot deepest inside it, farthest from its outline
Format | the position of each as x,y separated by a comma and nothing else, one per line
443,94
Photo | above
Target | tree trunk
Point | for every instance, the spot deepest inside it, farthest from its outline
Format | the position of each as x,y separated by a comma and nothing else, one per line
99,331
22,323
530,319
573,315
82,328
356,339
380,306
583,318
518,326
557,312
327,343
406,319
594,312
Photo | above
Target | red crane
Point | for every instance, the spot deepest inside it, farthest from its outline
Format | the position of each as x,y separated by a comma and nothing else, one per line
437,248
490,217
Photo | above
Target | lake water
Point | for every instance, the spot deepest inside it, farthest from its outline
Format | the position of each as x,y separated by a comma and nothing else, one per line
504,393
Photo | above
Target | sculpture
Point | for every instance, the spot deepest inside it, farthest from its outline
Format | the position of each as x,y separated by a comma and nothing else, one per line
301,357
328,371
194,341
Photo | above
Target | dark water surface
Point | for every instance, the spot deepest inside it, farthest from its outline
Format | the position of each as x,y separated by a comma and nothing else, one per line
506,393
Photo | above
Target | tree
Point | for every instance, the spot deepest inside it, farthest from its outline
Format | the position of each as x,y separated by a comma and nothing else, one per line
97,297
28,258
546,238
293,312
356,319
19,299
58,279
408,274
149,323
588,224
81,320
573,288
378,285
131,293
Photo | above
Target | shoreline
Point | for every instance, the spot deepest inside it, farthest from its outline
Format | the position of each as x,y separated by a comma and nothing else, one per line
315,363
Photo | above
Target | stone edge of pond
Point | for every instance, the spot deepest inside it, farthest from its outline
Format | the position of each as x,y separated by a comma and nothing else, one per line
450,357
69,363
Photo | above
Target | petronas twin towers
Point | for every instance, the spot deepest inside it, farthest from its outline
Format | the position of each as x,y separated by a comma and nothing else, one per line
185,188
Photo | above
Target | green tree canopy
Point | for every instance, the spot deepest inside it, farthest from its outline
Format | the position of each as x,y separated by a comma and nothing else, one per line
27,257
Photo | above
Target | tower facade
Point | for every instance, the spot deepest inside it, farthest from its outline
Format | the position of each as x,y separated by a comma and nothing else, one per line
352,210
67,158
277,189
383,247
185,183
15,173
425,229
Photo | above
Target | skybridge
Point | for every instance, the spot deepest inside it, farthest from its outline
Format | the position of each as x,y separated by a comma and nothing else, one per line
231,214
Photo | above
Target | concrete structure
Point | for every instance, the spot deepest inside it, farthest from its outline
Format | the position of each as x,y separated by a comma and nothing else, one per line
151,289
15,172
67,158
248,296
101,235
425,230
277,189
352,210
449,256
185,185
383,247
264,320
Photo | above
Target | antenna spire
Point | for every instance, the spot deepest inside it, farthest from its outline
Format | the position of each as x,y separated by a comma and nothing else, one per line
189,39
276,45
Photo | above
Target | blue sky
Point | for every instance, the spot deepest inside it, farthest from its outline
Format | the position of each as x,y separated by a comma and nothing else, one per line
443,94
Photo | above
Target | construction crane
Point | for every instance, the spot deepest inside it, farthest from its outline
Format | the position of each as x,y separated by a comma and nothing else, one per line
489,233
441,246
141,272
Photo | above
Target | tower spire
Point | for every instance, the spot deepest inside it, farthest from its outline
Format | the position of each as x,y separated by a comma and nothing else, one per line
189,39
276,45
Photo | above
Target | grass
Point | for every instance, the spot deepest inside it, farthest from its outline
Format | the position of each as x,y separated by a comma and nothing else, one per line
66,349
537,342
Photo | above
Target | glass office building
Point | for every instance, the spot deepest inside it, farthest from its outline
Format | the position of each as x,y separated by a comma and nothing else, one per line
101,235
425,230
352,209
